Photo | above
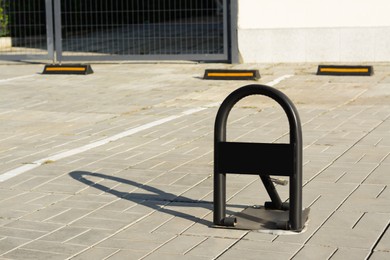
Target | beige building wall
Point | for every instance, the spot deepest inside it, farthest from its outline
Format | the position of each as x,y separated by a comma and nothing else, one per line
314,30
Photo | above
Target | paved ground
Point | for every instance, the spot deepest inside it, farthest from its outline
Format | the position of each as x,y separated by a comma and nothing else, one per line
118,164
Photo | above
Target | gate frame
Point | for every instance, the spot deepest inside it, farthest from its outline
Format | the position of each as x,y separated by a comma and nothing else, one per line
55,51
49,39
230,52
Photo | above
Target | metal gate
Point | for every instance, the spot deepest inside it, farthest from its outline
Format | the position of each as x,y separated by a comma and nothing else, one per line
26,30
100,30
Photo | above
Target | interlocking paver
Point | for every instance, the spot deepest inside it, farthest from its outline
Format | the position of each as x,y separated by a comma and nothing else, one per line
384,243
315,252
64,234
180,245
97,253
128,254
235,253
344,237
378,255
9,243
21,233
211,247
25,254
149,195
162,256
55,247
350,254
90,237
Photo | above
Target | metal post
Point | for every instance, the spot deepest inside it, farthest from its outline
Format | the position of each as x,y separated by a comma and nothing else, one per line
49,29
233,37
57,31
219,198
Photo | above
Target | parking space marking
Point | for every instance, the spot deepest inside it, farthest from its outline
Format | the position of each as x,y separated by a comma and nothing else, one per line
16,78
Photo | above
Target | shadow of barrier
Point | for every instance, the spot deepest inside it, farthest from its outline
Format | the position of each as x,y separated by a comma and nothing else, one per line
155,199
263,159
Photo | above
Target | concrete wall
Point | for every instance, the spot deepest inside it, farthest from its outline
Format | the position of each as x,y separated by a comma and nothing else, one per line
314,31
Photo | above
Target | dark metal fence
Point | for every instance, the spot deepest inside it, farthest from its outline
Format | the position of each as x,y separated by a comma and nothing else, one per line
115,29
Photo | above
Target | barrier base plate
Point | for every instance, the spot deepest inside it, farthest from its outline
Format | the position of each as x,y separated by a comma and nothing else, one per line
266,220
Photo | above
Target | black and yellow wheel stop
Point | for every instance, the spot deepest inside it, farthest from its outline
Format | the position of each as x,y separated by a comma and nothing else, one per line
221,74
339,70
68,69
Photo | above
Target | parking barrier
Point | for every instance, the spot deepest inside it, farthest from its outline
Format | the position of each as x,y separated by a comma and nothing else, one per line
263,159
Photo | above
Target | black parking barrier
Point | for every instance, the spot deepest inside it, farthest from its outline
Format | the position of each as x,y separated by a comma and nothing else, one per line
263,159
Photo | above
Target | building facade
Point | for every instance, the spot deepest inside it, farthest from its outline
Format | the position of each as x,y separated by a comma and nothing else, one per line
313,31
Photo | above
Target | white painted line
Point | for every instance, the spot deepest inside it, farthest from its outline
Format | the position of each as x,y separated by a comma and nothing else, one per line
16,78
278,80
27,167
59,156
15,172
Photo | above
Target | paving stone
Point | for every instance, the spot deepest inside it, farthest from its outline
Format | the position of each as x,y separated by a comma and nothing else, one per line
211,247
65,233
96,253
14,201
48,199
90,237
330,195
343,219
378,255
33,225
196,193
98,223
384,242
24,254
157,255
150,194
259,236
274,246
10,214
350,238
145,208
380,205
127,244
315,252
176,225
316,219
180,245
128,254
81,205
21,233
235,253
68,216
66,189
53,247
350,254
205,229
10,243
379,176
356,173
45,213
31,183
